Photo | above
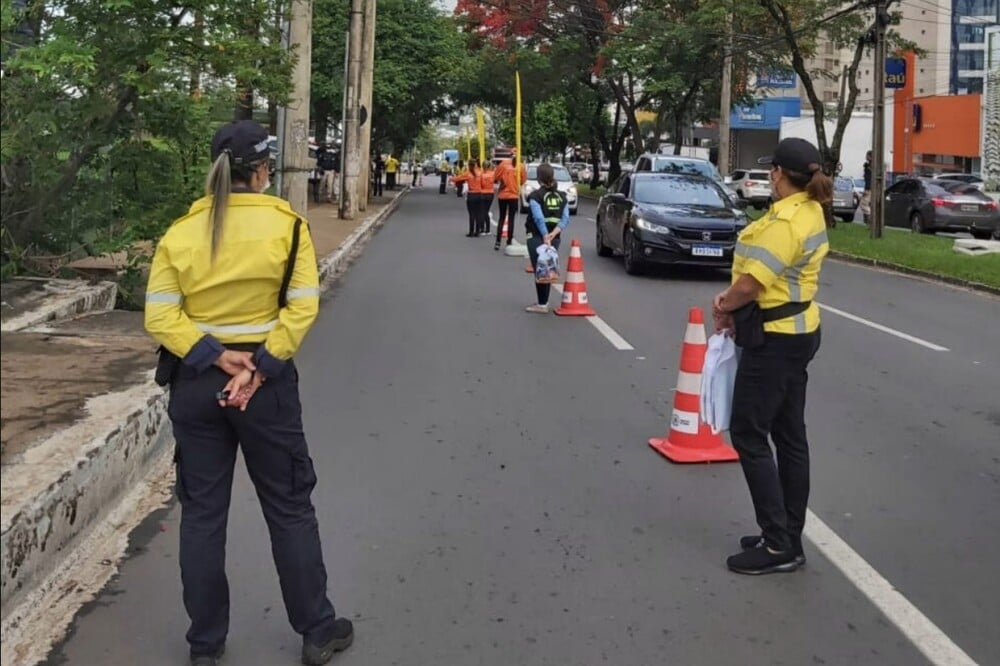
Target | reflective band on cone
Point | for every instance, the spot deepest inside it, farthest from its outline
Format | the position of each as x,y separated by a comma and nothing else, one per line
689,440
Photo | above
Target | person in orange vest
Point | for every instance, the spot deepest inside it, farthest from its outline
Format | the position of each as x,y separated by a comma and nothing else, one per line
470,179
511,175
487,189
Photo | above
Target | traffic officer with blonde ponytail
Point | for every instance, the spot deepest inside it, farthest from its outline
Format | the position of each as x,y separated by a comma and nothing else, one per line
233,290
770,308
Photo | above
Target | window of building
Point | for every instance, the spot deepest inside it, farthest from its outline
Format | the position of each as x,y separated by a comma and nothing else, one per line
971,33
975,7
830,96
969,85
971,59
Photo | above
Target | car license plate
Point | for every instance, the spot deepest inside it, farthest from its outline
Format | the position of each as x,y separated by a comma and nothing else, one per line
706,251
970,208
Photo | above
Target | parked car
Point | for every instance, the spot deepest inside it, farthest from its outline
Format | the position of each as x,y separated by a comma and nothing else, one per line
668,219
658,163
574,169
585,174
845,201
926,205
752,186
563,180
968,178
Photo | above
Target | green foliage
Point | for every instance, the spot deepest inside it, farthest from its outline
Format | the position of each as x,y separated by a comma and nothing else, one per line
108,108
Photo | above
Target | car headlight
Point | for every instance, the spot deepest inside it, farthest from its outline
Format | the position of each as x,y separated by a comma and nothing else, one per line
646,225
572,191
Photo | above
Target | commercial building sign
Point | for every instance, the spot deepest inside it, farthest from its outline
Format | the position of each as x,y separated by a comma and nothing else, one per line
895,73
776,78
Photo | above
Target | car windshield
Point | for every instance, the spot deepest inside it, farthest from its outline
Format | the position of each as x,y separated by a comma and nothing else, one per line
679,165
859,182
758,175
843,185
678,191
562,174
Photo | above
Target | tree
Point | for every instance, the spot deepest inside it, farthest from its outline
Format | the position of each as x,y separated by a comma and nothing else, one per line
105,128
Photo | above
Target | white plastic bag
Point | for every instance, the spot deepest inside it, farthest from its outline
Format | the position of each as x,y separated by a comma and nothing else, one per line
547,266
718,379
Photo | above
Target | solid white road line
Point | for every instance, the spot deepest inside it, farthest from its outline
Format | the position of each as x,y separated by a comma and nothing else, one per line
612,336
885,329
917,627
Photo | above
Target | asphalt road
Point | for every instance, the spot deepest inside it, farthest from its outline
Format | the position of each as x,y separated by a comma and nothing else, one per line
487,495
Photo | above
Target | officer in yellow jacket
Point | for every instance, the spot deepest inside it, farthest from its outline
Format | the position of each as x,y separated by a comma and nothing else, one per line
233,290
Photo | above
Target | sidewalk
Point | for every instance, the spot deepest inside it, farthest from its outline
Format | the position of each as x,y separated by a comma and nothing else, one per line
82,426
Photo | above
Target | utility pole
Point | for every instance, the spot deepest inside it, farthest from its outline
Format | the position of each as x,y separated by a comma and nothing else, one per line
351,156
365,121
295,126
725,107
878,119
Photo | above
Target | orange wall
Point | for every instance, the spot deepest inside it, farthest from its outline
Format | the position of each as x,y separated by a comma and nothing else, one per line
950,126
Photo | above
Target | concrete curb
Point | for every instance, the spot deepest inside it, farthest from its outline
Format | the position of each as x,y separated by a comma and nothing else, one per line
336,263
88,469
913,272
83,470
65,299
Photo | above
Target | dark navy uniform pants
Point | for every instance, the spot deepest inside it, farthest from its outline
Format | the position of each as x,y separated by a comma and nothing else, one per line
770,398
274,447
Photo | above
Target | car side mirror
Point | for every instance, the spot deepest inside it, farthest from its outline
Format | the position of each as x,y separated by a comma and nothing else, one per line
618,196
741,204
728,180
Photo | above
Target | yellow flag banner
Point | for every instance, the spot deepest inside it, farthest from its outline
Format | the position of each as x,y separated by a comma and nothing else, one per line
517,116
481,126
468,145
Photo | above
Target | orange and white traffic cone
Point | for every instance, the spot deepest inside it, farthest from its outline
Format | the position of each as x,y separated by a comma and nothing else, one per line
574,299
503,231
689,440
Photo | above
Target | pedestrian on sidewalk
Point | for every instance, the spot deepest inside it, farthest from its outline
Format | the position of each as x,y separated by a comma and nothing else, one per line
549,215
329,161
866,196
511,175
770,308
444,170
470,178
230,306
391,169
487,190
418,174
378,166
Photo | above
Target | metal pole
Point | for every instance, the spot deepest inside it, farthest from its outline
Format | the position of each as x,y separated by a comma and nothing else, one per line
878,118
343,127
351,157
725,107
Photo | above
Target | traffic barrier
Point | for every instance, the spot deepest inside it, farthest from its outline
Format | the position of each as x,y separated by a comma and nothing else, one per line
689,440
574,299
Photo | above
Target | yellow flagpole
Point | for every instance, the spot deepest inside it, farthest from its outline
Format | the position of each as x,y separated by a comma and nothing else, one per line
481,126
517,116
468,144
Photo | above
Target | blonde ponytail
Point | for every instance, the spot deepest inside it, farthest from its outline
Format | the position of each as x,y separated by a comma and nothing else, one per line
218,185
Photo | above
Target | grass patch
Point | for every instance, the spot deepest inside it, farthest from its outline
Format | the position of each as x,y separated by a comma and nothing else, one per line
585,190
925,253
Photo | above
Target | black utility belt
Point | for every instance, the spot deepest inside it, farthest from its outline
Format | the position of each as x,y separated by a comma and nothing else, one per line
749,320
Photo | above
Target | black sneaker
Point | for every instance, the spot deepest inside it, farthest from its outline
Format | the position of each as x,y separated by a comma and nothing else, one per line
757,541
496,246
208,659
758,561
343,636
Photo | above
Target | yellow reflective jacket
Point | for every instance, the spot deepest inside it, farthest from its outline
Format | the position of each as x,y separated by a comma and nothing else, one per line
193,304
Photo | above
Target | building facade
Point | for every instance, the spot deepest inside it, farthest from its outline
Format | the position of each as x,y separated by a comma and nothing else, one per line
969,21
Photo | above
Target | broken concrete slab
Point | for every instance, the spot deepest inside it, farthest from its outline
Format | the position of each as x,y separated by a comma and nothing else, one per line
973,247
29,302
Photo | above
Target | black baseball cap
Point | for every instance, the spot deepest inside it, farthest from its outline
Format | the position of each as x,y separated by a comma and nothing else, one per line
245,140
795,155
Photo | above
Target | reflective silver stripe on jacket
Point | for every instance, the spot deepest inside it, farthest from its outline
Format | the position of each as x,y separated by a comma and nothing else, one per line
762,255
303,292
238,329
172,299
794,273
